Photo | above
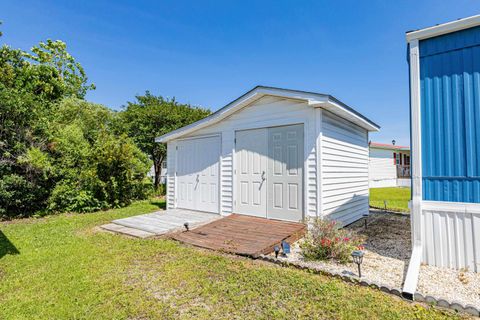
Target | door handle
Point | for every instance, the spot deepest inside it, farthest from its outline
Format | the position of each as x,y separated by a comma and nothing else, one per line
263,176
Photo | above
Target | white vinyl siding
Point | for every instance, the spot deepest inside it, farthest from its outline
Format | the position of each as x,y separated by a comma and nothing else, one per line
266,112
335,157
382,170
171,165
344,169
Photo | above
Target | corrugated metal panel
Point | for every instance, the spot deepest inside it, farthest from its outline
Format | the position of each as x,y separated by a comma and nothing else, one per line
450,239
450,105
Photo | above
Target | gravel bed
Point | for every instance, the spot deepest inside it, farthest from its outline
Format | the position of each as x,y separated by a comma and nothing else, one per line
453,285
387,254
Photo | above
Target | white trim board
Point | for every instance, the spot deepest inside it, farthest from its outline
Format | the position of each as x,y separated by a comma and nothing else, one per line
444,28
411,278
457,207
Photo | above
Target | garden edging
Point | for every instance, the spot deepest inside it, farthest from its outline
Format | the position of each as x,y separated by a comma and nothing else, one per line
419,297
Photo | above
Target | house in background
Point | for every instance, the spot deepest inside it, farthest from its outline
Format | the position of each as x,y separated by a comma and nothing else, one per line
273,153
163,172
444,63
389,165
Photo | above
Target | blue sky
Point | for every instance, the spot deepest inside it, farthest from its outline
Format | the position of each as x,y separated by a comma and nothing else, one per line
207,53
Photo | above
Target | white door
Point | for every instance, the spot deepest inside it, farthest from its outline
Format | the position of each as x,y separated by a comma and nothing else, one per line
285,173
197,174
251,170
269,172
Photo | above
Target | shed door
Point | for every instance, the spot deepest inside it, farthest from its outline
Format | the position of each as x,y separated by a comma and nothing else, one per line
269,172
198,173
285,172
251,169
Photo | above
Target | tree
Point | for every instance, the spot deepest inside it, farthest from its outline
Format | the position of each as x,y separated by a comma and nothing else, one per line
54,54
151,116
31,85
94,168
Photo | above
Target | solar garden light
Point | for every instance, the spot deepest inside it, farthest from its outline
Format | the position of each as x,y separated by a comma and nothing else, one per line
357,256
285,248
276,249
385,204
365,216
186,225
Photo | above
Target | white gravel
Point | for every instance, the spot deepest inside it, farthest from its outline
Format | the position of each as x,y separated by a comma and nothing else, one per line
387,253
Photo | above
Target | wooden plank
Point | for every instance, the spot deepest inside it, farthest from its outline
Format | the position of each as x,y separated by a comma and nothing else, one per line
244,235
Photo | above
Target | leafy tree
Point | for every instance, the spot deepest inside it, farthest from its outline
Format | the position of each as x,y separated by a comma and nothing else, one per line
54,54
95,168
151,116
31,85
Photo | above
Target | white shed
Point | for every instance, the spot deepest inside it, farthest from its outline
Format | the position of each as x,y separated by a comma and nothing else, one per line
273,153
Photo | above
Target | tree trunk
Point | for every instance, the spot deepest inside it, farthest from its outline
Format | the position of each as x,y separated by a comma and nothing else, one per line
157,164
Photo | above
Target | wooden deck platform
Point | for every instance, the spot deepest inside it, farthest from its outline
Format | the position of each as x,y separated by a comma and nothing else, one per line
243,235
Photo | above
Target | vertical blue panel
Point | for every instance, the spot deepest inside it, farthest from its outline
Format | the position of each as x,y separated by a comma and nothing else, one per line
450,107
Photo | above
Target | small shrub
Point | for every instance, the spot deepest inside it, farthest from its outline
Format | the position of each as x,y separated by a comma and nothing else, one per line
326,240
68,197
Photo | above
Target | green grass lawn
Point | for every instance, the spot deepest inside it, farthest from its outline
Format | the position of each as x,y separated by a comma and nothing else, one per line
64,267
397,198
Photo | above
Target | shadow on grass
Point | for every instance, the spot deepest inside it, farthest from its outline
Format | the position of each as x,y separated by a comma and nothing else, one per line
6,246
160,203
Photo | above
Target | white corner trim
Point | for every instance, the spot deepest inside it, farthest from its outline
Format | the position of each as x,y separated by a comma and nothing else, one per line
413,271
444,28
416,124
411,278
319,157
457,207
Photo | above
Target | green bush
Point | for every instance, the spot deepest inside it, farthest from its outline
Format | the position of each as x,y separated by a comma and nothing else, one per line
68,197
94,167
19,196
326,240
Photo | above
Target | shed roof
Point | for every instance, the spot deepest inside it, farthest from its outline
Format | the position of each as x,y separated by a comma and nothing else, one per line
325,101
388,146
443,28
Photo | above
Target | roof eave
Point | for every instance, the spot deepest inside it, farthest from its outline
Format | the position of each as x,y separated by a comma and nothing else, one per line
390,148
344,111
313,99
444,28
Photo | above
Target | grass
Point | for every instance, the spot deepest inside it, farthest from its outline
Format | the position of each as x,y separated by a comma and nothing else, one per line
397,198
64,267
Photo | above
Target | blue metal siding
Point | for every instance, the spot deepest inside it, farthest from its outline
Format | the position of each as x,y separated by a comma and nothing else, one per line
450,108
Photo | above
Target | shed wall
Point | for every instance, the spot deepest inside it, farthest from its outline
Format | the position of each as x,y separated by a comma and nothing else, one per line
266,112
344,162
344,169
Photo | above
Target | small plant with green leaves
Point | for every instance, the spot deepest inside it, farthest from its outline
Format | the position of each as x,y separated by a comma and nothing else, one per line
325,240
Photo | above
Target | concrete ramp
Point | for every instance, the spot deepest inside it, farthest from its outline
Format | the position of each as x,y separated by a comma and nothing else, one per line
160,222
